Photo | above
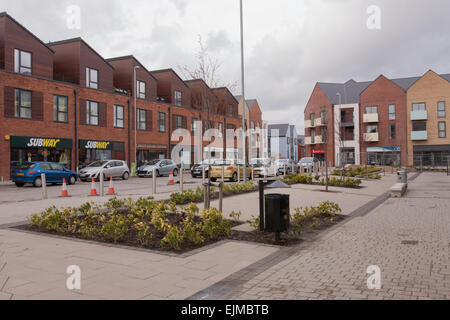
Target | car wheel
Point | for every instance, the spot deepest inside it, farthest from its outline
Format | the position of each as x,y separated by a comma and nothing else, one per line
235,177
175,172
20,184
37,183
157,174
72,180
125,176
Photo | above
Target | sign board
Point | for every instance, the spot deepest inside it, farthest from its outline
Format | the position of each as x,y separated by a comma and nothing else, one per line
37,142
97,145
318,151
384,149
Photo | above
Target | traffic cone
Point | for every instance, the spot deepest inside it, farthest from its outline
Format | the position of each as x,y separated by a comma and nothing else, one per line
111,191
93,189
64,192
171,179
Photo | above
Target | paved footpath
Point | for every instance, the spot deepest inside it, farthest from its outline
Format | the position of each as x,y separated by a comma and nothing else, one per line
408,238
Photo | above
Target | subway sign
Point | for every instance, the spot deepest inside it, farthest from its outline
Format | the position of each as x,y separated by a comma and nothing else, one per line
38,142
97,145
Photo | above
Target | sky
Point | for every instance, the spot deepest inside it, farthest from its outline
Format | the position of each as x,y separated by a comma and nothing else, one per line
290,45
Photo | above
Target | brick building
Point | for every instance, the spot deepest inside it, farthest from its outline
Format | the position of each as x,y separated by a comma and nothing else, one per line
64,102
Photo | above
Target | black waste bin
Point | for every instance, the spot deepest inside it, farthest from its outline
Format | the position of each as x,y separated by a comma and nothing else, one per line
277,213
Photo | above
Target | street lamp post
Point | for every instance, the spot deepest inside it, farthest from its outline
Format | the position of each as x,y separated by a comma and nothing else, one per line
243,92
135,117
341,153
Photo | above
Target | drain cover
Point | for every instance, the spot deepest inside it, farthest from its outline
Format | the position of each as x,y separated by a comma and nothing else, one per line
410,242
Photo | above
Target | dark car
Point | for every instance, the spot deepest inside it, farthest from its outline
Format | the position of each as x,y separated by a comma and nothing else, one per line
197,169
54,173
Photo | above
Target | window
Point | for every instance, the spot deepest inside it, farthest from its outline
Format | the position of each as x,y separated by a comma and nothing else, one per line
441,109
324,134
92,113
252,125
220,128
118,116
142,119
60,112
178,98
419,107
22,61
91,78
372,129
442,130
323,117
162,122
392,131
343,115
22,104
313,136
230,110
419,126
194,126
371,109
392,113
178,122
141,89
312,117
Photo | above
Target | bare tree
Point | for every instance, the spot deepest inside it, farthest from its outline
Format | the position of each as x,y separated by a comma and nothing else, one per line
207,68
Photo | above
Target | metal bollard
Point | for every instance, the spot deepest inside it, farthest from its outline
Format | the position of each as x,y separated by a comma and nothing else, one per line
102,184
181,179
253,173
221,197
203,175
292,168
223,174
239,174
154,181
284,173
44,186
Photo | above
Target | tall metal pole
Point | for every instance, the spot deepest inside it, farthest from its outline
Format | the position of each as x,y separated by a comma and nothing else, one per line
243,91
135,118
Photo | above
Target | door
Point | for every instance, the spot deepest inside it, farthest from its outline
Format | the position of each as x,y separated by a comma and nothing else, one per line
50,174
57,173
108,170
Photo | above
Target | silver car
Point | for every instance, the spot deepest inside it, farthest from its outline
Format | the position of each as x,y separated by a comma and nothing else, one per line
109,168
162,168
306,164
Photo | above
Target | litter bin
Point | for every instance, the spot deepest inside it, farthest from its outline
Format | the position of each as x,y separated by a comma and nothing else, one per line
402,177
277,213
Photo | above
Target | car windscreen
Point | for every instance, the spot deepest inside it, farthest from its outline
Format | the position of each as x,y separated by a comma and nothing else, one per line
97,164
309,160
222,163
152,163
28,166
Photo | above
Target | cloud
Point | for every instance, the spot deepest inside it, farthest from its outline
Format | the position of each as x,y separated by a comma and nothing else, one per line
289,44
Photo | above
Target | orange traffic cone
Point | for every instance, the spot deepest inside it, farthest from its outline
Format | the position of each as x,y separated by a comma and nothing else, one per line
111,191
93,189
171,179
64,192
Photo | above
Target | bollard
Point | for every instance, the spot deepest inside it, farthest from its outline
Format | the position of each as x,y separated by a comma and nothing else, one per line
292,168
221,197
154,181
239,174
44,186
203,175
223,174
253,173
181,179
284,173
102,182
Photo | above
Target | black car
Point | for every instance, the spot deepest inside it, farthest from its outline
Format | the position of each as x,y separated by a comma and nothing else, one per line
197,169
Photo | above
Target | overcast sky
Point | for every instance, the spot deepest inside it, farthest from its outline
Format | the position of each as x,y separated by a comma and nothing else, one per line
290,44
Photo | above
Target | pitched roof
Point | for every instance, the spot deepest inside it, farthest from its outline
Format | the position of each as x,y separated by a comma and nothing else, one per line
351,90
5,14
249,102
282,129
133,58
172,71
79,39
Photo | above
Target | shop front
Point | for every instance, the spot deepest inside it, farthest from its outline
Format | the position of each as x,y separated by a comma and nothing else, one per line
319,154
384,156
432,156
93,150
148,152
34,149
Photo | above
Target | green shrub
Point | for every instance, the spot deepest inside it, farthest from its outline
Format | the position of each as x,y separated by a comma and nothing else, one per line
214,225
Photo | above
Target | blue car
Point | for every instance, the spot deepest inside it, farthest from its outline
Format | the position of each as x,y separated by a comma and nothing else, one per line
54,173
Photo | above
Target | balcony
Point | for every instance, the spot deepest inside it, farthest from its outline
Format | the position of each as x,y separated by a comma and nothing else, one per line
308,141
370,117
419,115
419,135
320,123
318,140
309,124
371,137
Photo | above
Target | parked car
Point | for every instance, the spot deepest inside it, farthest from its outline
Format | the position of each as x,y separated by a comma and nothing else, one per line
306,163
109,168
163,168
263,167
54,173
231,170
285,165
197,169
